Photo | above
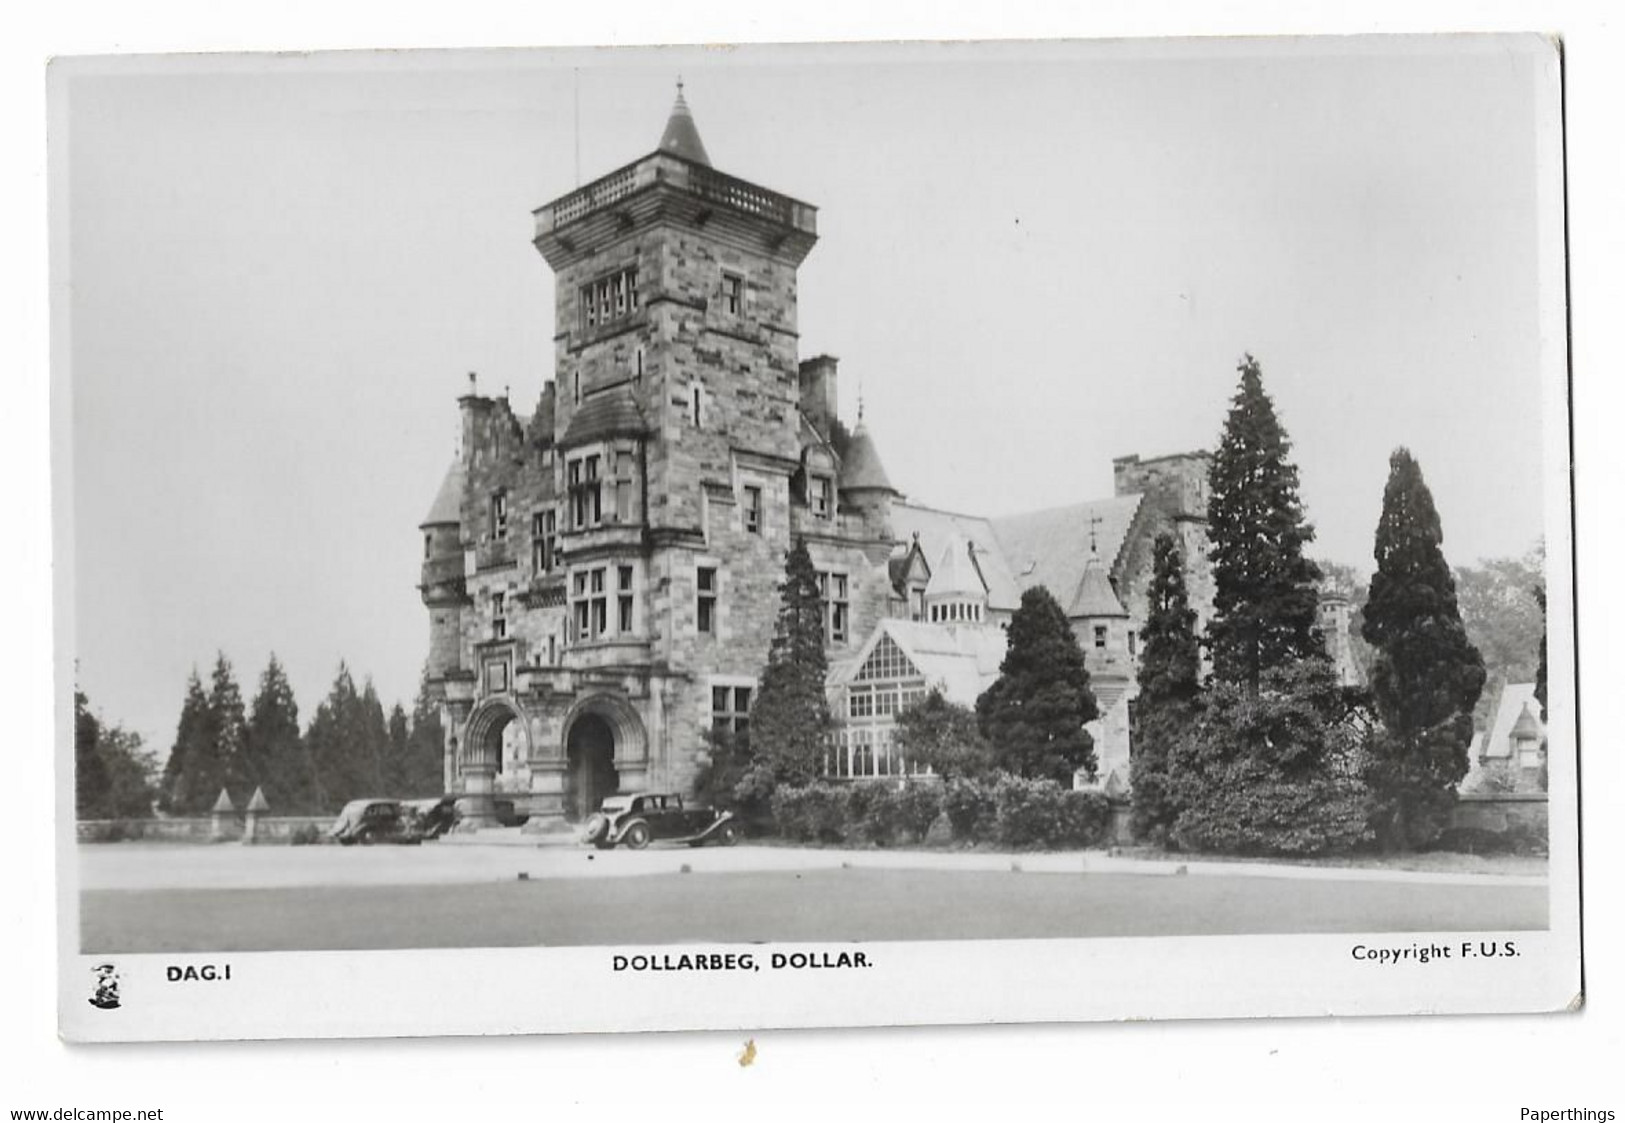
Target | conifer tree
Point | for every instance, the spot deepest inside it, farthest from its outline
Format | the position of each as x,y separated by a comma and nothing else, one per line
190,770
374,739
1034,713
1540,669
398,740
790,720
1265,598
423,772
1426,675
230,727
90,782
337,747
1169,701
277,763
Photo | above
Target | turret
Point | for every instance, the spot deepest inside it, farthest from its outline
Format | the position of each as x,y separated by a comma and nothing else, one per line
442,586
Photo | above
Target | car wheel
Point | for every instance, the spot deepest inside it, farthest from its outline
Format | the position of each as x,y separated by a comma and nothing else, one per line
728,834
637,836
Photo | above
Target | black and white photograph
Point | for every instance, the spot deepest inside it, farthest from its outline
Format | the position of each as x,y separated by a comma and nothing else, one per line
678,538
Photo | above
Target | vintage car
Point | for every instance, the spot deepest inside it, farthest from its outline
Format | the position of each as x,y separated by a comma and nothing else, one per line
403,822
637,820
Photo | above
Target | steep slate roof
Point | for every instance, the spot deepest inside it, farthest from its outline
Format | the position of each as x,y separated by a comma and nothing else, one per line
1051,547
861,467
682,136
963,660
956,572
935,527
611,413
447,509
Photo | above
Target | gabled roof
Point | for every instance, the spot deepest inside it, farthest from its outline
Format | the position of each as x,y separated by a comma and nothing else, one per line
1516,699
861,467
934,528
1095,596
961,660
611,413
956,573
447,509
1051,547
682,136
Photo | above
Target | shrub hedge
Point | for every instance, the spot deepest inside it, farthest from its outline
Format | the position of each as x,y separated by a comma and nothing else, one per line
1011,812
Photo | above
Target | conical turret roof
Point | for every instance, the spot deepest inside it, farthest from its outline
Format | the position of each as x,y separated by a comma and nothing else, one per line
1095,594
682,136
448,501
862,467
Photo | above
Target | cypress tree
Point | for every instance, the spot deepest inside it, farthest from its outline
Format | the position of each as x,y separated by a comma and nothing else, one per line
335,743
277,763
1034,713
375,741
790,720
423,771
1169,700
189,770
90,781
230,725
1265,599
1426,675
1540,670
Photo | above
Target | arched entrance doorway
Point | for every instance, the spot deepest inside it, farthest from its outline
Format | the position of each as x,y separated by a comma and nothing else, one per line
496,746
589,766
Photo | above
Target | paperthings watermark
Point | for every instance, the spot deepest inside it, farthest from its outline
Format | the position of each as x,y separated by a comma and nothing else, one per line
1567,1115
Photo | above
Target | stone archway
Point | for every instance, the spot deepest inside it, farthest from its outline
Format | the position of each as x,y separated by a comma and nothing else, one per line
605,751
590,775
482,755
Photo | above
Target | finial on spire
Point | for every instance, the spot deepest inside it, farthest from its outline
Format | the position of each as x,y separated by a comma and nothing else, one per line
1094,521
681,137
860,398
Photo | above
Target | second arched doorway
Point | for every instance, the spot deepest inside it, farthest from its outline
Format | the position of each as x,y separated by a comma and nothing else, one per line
589,775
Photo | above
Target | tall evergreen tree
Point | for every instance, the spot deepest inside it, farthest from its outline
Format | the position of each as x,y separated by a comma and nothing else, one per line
1170,690
1034,713
790,720
90,781
277,763
1426,676
337,744
399,737
1265,599
375,739
191,778
423,772
1540,669
230,725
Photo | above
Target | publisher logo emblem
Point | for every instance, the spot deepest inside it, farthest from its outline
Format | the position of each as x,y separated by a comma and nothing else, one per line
104,993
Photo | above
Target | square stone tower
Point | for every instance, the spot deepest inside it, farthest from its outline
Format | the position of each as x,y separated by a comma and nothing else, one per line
623,546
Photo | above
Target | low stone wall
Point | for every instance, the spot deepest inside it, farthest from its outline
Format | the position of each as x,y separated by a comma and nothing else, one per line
225,828
1499,812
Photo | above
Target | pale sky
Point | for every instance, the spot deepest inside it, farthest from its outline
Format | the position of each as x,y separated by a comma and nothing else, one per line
1034,259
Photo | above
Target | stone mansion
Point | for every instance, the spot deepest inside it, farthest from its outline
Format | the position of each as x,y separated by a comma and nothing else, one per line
602,575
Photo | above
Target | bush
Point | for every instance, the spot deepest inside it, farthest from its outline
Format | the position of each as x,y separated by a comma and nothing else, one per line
970,808
1033,814
814,813
1250,811
307,835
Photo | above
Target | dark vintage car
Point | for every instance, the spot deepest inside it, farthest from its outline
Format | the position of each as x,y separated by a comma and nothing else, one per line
403,822
637,820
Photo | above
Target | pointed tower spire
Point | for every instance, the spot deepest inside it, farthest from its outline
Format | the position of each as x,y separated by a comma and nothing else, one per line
682,137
